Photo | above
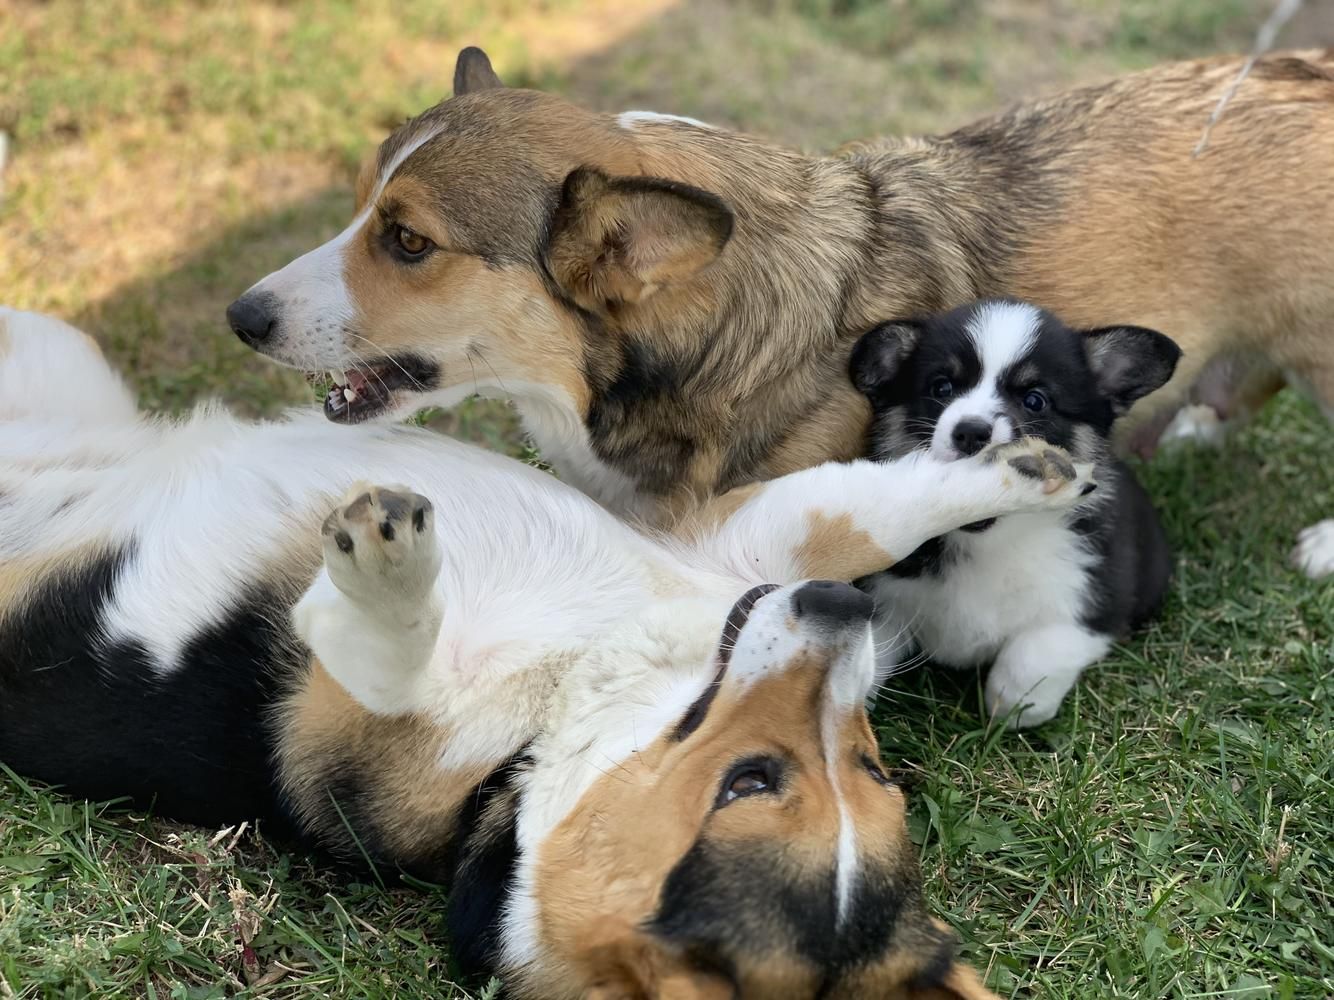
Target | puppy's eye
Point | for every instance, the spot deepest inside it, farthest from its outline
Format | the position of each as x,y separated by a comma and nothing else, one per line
412,244
1035,401
750,777
941,387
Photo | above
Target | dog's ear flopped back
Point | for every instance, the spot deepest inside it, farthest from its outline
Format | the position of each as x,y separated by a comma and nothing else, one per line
637,968
616,240
1129,362
473,72
878,356
959,983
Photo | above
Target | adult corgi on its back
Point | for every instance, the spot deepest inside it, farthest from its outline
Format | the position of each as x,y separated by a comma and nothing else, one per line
1039,596
645,769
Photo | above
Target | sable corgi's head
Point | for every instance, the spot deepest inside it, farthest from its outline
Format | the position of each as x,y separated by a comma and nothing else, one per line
997,370
753,847
496,236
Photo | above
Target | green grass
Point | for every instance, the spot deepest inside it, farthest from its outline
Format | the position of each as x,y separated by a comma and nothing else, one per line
1170,834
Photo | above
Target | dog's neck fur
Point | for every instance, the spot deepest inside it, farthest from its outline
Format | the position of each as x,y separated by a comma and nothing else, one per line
739,363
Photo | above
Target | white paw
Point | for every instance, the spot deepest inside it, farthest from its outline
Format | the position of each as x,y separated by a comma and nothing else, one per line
1040,476
1314,552
1195,423
1022,697
380,546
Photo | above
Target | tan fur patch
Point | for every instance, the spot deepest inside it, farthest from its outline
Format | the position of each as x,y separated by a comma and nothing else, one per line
328,737
836,549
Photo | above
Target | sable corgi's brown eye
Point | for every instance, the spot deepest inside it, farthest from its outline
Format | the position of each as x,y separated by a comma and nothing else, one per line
412,244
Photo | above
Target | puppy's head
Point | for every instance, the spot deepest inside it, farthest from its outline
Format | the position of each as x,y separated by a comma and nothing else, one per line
752,848
492,233
998,370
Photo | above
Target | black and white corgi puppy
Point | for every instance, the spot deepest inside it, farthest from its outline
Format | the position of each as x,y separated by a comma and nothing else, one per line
1038,596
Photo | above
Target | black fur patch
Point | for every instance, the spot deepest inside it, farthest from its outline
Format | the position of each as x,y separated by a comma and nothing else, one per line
724,904
99,720
484,870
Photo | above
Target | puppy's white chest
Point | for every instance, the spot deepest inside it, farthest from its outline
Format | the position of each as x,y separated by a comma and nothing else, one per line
1026,570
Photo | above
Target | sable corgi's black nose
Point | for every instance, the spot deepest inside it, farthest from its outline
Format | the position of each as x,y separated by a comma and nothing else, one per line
252,317
831,602
971,436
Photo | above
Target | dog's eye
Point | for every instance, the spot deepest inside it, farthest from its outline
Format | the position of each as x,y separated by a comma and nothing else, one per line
750,777
876,771
1035,401
941,387
412,244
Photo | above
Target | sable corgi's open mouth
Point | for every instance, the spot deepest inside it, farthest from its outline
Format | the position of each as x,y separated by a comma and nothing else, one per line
371,389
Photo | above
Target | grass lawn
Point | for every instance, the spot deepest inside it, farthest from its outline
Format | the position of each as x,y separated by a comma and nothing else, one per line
1171,834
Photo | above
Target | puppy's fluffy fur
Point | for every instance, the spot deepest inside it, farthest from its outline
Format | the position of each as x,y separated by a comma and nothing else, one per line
1040,596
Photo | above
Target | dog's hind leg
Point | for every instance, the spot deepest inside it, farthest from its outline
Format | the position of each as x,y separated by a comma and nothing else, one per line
1036,670
373,615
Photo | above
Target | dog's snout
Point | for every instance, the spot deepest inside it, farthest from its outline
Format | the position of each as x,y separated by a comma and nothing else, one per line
971,436
252,317
833,603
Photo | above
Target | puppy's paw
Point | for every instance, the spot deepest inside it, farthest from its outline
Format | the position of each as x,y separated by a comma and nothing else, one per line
1050,479
1314,552
1023,698
380,544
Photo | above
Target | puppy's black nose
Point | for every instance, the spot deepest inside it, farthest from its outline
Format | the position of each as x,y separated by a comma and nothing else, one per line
971,436
835,603
252,317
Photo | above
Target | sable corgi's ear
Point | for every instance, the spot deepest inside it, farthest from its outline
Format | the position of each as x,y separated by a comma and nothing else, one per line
959,983
616,240
878,356
473,72
1129,362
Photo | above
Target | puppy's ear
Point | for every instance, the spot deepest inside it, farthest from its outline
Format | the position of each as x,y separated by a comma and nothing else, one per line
1129,362
616,240
878,356
473,72
960,982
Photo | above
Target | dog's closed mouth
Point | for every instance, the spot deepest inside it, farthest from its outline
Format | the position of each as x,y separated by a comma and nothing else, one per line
368,390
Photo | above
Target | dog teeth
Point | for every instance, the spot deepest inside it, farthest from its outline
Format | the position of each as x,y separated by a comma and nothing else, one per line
337,377
350,395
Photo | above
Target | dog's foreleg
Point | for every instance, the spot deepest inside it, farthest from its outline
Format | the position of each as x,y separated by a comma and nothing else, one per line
844,521
1036,670
373,615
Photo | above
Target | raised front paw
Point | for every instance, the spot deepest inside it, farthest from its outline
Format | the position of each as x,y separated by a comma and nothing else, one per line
380,545
1046,475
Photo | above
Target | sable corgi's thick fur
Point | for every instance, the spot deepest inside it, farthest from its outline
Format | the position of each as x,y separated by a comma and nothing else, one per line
672,305
643,763
1036,597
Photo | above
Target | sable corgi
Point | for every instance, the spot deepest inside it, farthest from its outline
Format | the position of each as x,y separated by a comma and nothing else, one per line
672,305
644,764
1039,597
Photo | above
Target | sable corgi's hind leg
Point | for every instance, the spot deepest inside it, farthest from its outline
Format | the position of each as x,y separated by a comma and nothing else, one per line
48,369
373,614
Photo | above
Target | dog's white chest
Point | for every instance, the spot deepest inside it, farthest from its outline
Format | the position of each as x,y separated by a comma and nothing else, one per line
1026,570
